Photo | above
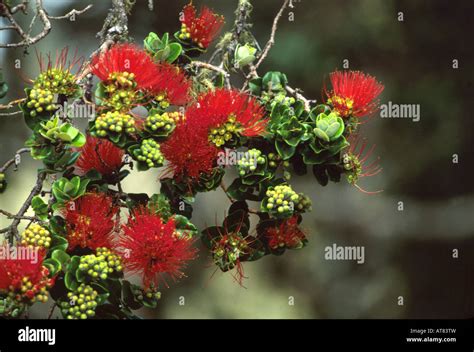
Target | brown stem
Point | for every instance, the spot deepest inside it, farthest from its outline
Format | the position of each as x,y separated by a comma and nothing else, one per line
13,228
13,160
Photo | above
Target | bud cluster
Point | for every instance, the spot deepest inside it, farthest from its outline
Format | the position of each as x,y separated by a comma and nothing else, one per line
39,101
150,153
101,264
81,303
58,81
114,121
121,92
281,200
162,124
36,236
224,133
250,162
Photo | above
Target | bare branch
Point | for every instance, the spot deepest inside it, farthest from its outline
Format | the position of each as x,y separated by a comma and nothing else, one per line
13,228
205,65
296,93
73,12
13,216
26,38
11,113
271,41
13,160
11,104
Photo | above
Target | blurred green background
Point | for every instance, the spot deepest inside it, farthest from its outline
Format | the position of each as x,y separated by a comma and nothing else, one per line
408,253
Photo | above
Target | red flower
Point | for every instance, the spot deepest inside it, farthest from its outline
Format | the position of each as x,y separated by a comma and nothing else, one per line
24,275
188,151
90,221
156,79
193,147
202,29
356,162
216,108
152,248
100,155
353,93
287,234
126,58
173,84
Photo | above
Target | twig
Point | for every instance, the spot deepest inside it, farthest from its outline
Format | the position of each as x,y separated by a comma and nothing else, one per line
299,96
11,104
71,13
271,41
26,38
51,311
13,160
115,26
224,188
13,228
11,113
208,66
13,216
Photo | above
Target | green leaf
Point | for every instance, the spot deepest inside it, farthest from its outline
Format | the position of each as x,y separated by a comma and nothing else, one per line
39,207
175,50
79,140
128,296
321,134
61,256
59,243
57,225
285,150
80,276
53,265
165,39
70,281
64,137
255,86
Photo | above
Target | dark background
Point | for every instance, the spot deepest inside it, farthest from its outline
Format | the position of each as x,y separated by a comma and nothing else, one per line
409,252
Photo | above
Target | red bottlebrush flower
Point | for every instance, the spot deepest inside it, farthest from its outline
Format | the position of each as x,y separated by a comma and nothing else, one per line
173,84
287,235
152,248
202,29
217,117
356,162
90,221
25,277
236,112
189,152
101,155
156,79
353,93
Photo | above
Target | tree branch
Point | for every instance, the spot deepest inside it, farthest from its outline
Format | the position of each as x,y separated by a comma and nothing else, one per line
26,38
205,65
271,41
13,160
13,228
